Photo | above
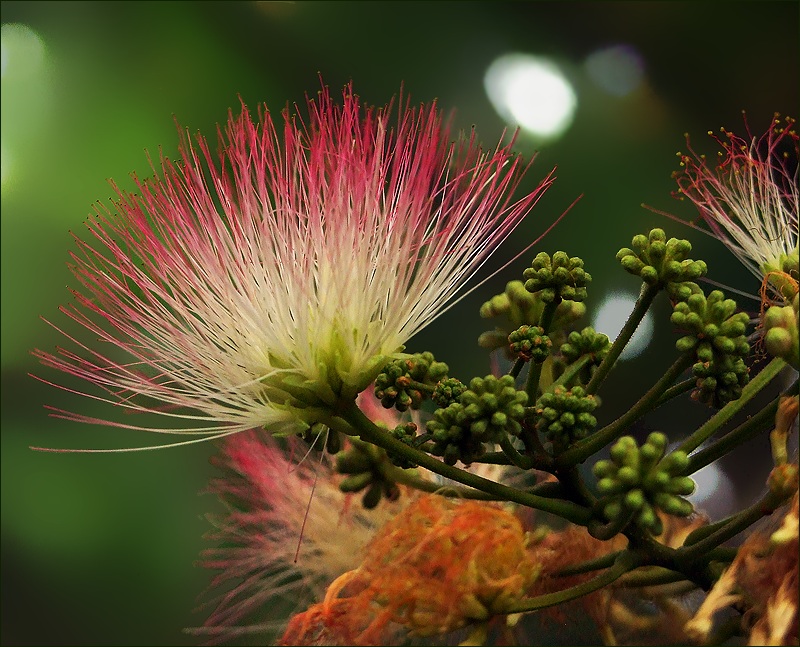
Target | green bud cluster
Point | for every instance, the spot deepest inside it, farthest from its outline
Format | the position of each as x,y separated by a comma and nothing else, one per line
637,481
406,433
403,383
565,416
490,410
530,343
718,341
780,332
361,465
660,262
448,391
586,342
520,307
557,277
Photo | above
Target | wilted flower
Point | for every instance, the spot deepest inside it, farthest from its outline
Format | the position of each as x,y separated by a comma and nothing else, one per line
749,200
763,580
263,289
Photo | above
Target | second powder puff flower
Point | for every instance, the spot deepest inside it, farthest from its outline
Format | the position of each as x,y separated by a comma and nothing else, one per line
750,200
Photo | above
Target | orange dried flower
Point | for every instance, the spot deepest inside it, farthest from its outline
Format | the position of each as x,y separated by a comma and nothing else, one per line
436,567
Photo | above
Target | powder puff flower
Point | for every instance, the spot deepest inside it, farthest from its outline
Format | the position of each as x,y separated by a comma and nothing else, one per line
750,199
262,289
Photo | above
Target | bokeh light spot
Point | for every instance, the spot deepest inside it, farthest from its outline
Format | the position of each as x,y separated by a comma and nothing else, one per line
25,92
618,69
531,92
715,493
23,50
611,317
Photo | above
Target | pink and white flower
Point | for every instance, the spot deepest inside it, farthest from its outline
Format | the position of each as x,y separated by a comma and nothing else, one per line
750,199
260,289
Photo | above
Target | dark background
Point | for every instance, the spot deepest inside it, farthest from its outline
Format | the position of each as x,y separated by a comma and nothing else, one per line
99,550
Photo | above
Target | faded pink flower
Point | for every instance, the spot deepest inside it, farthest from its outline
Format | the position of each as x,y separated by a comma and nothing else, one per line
261,290
749,200
287,534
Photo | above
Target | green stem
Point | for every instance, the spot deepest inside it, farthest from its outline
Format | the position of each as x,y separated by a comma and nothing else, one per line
643,303
517,459
571,371
421,386
652,576
535,369
532,384
406,477
732,527
763,420
722,554
624,563
548,313
755,385
494,458
533,445
549,489
605,531
517,368
581,450
371,433
590,565
674,391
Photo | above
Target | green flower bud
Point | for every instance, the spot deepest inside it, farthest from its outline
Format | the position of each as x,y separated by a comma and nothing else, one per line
603,468
490,410
628,476
564,416
587,342
372,497
642,480
558,278
530,343
634,499
518,307
448,391
356,483
661,263
404,383
353,462
609,486
719,343
649,520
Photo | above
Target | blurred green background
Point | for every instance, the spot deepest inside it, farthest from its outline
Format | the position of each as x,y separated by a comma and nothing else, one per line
99,550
